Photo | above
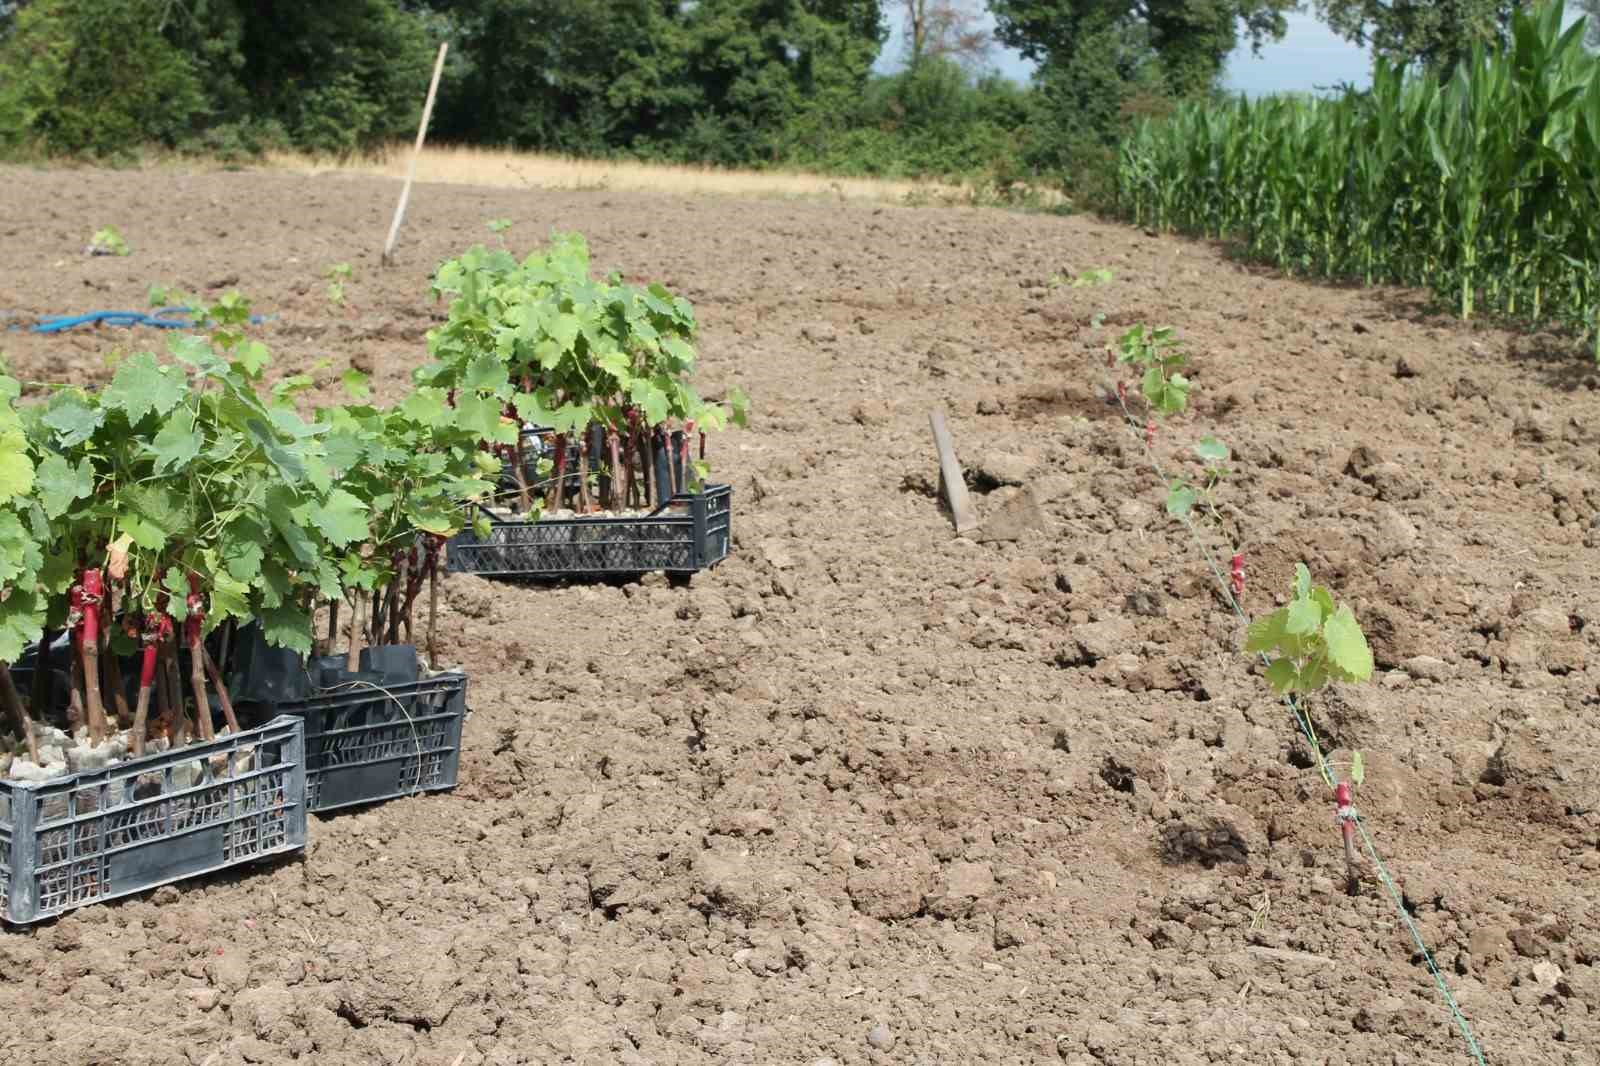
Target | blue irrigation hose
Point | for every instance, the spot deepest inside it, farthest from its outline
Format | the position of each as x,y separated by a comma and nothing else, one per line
161,318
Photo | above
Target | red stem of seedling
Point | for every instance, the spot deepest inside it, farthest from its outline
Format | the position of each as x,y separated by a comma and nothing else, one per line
1347,828
155,628
688,434
192,625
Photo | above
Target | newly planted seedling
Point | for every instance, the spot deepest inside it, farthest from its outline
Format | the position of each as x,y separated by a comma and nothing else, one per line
337,275
1088,279
1156,355
1310,642
1184,497
107,241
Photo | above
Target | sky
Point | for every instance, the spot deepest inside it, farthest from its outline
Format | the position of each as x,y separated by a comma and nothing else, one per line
1309,56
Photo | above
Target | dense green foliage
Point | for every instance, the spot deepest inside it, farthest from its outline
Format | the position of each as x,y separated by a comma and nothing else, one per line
1483,185
728,82
1436,33
104,77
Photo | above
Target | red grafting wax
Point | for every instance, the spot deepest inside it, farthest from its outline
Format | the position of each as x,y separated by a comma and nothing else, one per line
1236,575
1347,824
192,624
1122,392
1150,433
147,665
92,591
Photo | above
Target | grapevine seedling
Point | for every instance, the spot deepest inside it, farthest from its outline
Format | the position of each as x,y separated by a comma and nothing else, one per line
107,241
1310,642
1088,279
1156,353
337,275
1183,498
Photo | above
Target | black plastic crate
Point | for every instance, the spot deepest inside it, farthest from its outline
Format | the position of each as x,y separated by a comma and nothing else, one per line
100,834
367,742
691,532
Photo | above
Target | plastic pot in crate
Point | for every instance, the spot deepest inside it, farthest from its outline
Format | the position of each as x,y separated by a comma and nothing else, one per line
691,532
377,733
149,821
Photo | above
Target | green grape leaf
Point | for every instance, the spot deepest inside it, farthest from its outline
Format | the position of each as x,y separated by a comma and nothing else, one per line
286,626
19,553
141,386
652,400
243,550
740,405
281,509
1304,618
22,618
1347,646
1281,676
73,420
424,405
178,442
1358,768
571,417
1212,450
60,484
342,518
1181,499
1265,634
486,372
176,582
356,384
1302,581
16,469
230,598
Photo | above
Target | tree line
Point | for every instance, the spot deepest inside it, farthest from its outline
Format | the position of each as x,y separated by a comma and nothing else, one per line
730,82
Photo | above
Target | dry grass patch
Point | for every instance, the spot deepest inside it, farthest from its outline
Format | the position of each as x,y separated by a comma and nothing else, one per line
501,167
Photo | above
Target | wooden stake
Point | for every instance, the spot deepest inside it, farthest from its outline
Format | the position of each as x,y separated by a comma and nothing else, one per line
951,483
411,170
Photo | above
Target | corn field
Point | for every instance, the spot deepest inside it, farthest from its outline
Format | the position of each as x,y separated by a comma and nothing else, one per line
1483,185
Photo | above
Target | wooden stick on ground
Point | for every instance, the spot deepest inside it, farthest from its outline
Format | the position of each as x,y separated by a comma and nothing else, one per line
411,170
951,483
